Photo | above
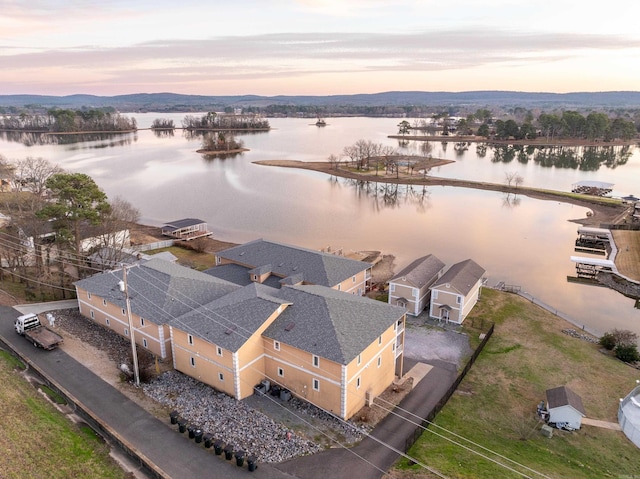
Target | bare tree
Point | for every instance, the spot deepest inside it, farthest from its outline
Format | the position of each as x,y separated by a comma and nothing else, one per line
333,161
512,178
31,174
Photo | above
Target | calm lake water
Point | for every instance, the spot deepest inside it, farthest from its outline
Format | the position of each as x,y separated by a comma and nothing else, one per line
525,242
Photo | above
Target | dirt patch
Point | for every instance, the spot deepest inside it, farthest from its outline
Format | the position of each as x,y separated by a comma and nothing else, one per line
370,416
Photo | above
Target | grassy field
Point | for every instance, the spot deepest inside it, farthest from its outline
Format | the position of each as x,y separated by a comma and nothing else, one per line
189,258
495,405
628,258
39,441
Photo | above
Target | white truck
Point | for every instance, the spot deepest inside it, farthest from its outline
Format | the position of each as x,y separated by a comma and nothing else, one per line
29,326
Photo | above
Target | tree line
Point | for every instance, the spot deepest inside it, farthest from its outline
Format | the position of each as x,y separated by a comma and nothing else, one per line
51,215
224,121
69,121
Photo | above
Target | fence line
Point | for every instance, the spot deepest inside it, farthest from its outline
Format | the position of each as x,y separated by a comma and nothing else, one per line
156,245
412,438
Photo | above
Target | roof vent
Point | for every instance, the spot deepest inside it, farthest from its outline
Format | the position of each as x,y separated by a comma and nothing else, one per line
289,326
230,330
242,253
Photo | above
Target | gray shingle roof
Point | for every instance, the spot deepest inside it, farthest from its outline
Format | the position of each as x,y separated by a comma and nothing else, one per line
318,268
232,319
158,290
239,275
182,223
462,276
421,272
563,396
329,323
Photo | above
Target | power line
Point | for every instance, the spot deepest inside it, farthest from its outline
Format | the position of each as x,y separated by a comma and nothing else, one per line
226,320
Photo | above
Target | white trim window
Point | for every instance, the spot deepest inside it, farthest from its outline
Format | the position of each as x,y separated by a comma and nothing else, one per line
126,332
89,295
316,361
315,384
281,372
124,311
192,360
107,322
104,302
359,359
142,322
220,377
392,287
276,345
218,350
92,314
358,382
144,342
459,299
379,361
190,339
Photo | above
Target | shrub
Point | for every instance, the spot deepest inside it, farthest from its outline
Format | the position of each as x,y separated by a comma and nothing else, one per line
608,341
627,353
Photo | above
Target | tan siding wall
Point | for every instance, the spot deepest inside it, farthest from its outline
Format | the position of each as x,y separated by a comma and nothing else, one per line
208,364
251,361
403,290
351,286
373,379
118,322
299,373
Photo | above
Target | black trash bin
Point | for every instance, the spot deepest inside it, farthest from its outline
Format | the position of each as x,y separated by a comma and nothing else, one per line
197,435
228,452
208,440
251,463
240,458
173,415
182,425
191,429
218,446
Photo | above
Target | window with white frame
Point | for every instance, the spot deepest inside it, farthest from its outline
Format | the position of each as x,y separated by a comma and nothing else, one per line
359,359
192,360
354,279
358,382
379,340
316,361
434,294
219,351
276,345
126,331
339,287
415,292
144,342
189,339
392,288
459,299
393,346
221,376
104,302
107,322
124,311
379,361
281,372
92,314
315,384
88,295
141,322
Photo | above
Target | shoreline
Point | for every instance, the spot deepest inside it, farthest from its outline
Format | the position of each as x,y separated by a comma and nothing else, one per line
604,210
573,142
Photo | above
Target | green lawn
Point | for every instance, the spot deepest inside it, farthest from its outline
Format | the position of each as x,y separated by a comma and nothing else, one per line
39,441
495,405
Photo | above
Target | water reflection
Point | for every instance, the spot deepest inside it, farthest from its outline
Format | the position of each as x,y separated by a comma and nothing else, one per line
387,195
584,158
105,140
163,133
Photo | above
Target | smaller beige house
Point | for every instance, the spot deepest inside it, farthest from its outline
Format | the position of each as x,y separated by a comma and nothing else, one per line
565,408
456,292
410,288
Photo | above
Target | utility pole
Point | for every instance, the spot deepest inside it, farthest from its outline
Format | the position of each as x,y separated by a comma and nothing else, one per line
123,288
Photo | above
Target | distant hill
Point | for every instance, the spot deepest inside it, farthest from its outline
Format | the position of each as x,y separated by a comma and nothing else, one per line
185,103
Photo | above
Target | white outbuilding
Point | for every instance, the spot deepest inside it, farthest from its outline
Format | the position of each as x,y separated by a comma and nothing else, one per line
565,408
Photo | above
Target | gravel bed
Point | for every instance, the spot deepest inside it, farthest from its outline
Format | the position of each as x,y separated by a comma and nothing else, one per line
227,419
239,423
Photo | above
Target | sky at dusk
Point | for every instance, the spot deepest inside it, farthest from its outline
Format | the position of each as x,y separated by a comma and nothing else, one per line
316,47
